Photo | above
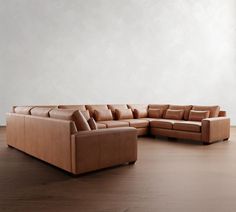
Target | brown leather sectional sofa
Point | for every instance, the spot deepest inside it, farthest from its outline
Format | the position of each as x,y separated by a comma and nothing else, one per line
67,137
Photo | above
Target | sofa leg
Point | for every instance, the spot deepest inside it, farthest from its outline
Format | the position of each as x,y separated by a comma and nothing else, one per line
132,162
226,139
9,146
205,143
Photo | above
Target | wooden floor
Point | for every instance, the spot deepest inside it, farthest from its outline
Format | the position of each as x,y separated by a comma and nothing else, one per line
170,175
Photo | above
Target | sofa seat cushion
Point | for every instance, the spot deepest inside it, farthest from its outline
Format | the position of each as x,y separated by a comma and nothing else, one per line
191,126
101,126
149,119
138,123
163,123
112,124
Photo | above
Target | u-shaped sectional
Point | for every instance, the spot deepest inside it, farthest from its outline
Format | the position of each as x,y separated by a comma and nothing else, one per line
58,135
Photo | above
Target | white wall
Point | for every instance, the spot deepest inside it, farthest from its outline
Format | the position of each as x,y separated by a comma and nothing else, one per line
118,51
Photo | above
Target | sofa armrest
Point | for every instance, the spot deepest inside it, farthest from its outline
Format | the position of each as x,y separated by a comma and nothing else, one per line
215,129
97,149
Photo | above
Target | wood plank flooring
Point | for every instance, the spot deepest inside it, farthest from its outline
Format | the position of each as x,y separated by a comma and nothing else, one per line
170,175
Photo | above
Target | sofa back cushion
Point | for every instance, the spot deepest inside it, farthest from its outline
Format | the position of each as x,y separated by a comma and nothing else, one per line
222,113
73,115
40,111
25,110
186,109
92,124
139,110
137,106
162,107
174,114
124,114
92,108
155,113
214,110
81,108
74,107
196,115
140,113
113,107
86,114
103,115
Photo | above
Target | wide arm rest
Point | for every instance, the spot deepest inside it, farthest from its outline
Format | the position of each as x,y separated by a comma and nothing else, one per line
97,149
215,129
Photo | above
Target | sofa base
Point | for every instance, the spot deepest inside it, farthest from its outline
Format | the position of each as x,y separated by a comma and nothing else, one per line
142,131
176,134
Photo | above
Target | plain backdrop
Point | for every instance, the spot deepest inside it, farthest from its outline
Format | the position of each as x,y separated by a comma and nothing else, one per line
118,51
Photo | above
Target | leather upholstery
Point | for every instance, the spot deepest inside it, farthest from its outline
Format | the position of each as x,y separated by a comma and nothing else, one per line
103,115
186,109
222,113
198,115
140,113
155,113
82,108
137,123
40,111
176,134
174,114
86,114
74,107
163,107
113,124
101,126
124,114
15,130
215,129
191,126
113,107
137,106
214,110
45,138
103,148
92,108
23,109
72,115
162,123
92,124
142,131
53,141
149,119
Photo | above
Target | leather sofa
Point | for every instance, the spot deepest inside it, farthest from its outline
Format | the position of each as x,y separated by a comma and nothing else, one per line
54,133
53,136
207,124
